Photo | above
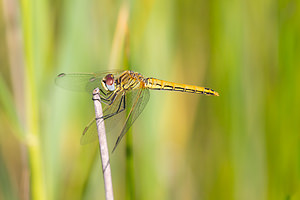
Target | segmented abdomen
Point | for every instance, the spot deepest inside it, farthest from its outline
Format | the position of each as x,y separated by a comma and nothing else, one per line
156,84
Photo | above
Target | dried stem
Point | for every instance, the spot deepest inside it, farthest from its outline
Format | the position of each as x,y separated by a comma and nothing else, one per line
103,146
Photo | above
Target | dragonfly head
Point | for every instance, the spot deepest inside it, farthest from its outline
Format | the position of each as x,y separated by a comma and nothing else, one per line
108,82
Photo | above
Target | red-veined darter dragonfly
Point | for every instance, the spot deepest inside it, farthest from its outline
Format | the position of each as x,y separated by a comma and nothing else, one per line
124,93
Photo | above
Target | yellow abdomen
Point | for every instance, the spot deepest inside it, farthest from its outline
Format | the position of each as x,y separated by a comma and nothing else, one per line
156,84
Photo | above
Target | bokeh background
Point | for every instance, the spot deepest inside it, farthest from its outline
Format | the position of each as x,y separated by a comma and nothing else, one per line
241,145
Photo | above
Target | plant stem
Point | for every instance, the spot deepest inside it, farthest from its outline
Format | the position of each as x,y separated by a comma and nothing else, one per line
104,155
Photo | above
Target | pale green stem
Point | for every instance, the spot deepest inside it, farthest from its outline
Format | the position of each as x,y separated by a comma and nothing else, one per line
32,118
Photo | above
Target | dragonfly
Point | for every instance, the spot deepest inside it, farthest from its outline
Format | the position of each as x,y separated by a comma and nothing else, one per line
124,95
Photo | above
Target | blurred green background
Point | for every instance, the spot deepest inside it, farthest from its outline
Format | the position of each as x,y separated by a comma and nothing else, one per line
241,145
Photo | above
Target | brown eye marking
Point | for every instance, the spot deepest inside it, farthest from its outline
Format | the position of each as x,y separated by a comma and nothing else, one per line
109,79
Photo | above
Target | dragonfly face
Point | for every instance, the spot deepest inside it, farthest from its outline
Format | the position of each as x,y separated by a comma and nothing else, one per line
108,83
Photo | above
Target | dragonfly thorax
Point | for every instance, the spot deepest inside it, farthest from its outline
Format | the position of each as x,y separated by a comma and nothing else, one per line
108,83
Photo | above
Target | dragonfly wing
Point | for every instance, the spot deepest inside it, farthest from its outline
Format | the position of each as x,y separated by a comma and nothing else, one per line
138,103
82,81
78,82
90,133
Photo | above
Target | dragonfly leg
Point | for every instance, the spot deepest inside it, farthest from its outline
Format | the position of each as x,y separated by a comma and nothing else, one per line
115,92
113,98
104,97
102,92
120,109
101,95
108,100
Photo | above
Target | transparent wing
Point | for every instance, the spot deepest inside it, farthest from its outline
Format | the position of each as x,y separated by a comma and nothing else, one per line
83,81
135,102
139,101
90,132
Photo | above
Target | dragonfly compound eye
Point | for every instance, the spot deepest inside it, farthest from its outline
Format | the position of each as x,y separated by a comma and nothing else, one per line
109,82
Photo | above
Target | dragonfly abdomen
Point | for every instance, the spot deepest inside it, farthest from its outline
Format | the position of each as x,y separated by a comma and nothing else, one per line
156,84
